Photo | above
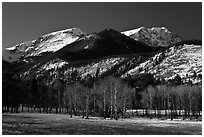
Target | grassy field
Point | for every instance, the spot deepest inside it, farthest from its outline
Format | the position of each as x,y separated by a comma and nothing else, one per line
52,124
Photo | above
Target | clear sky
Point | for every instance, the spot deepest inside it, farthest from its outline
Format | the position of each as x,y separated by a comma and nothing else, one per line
27,21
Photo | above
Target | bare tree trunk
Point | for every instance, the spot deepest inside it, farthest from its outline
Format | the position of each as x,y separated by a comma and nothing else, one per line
133,112
185,114
150,103
115,103
56,110
172,114
166,108
146,111
46,110
67,109
59,101
94,109
171,111
87,106
22,108
159,112
104,104
75,103
143,110
83,114
50,109
124,107
111,106
70,104
190,109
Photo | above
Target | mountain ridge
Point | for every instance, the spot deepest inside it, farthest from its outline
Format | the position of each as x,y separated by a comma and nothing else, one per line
155,36
116,53
50,42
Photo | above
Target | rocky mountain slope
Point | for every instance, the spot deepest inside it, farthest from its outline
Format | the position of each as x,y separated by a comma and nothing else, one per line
47,43
155,36
183,60
72,52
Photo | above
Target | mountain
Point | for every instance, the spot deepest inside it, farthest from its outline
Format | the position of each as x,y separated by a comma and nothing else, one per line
105,43
155,36
47,43
14,53
108,52
83,73
184,60
86,49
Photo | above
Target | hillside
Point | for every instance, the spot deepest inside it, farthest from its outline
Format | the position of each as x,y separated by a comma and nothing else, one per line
47,43
155,36
106,53
86,48
183,60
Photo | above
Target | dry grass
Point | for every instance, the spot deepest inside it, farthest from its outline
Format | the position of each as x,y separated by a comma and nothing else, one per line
33,123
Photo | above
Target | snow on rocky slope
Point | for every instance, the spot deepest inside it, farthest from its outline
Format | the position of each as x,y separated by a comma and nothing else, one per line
132,32
155,36
14,53
184,60
47,43
103,66
53,67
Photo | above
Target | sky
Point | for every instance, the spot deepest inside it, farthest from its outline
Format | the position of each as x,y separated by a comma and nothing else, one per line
23,22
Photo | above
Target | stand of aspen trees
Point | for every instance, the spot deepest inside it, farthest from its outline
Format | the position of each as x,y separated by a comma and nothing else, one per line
108,97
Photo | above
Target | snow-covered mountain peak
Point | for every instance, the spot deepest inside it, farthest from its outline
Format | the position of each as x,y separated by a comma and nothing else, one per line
130,32
155,36
11,48
21,46
73,31
159,29
50,42
14,53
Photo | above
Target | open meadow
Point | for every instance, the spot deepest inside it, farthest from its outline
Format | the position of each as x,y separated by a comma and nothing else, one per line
55,124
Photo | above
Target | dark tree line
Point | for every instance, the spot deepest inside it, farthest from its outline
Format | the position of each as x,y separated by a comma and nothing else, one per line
108,97
173,101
